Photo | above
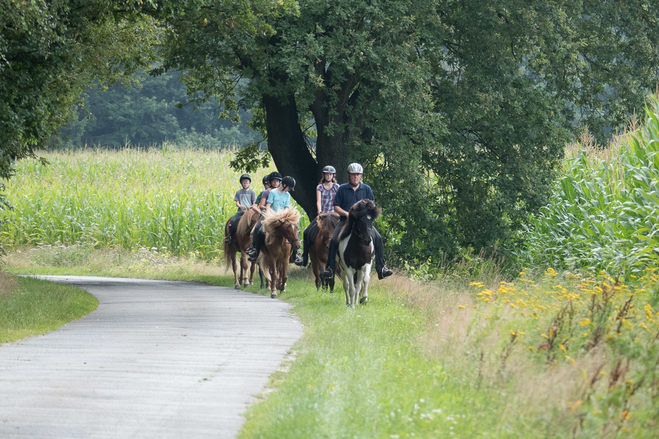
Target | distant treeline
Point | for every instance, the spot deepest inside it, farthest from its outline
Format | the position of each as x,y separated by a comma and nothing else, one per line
147,114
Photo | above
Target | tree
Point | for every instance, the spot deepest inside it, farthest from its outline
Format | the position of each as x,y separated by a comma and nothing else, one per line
459,110
49,54
146,113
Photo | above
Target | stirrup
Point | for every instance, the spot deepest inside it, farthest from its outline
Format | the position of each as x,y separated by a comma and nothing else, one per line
327,274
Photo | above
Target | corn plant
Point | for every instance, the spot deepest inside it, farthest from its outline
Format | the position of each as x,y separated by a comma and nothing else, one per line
604,213
171,200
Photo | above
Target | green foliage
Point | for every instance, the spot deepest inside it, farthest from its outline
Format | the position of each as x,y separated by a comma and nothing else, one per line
49,53
458,110
603,213
148,113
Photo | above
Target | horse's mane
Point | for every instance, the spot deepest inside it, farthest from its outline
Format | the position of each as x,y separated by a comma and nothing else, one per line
246,222
356,213
327,222
275,220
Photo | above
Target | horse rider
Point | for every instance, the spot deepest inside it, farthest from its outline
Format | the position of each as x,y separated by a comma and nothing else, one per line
245,199
279,199
347,195
325,193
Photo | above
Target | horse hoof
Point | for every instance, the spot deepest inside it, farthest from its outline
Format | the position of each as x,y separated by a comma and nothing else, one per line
273,295
363,300
237,286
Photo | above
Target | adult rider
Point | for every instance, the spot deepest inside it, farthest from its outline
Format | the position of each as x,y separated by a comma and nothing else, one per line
347,195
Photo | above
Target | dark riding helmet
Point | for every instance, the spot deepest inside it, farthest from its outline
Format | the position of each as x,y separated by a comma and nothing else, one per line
245,177
266,179
329,169
289,181
275,176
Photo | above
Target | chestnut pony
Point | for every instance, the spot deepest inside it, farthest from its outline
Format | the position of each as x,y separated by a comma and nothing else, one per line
280,231
240,243
356,250
320,248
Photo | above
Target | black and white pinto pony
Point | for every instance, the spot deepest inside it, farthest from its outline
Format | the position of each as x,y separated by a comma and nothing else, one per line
356,250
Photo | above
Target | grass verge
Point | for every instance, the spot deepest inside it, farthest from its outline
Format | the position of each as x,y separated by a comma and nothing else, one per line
31,306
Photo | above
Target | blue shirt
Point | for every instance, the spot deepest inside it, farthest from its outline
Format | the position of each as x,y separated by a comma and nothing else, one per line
278,201
346,197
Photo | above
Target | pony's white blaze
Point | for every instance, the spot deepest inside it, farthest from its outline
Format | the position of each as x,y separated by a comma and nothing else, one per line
353,287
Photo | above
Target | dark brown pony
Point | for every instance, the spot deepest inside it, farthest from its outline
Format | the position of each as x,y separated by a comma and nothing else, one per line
319,248
280,231
356,250
240,243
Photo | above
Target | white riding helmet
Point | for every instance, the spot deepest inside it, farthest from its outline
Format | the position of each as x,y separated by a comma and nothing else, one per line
355,168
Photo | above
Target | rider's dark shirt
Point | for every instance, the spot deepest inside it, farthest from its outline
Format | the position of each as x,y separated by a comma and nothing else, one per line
346,197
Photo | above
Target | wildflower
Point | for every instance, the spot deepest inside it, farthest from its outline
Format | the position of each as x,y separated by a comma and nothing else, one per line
461,306
584,322
476,284
625,414
574,407
562,348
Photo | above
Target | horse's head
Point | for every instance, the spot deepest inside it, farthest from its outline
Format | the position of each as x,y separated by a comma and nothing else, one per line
282,224
361,217
290,232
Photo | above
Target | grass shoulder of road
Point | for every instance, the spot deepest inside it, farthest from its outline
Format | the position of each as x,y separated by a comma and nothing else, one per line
31,307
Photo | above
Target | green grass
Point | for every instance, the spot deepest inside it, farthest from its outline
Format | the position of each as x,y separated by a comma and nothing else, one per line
360,373
30,307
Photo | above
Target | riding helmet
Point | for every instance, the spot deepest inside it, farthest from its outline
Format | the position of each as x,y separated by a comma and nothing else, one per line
289,182
245,177
329,169
275,176
355,168
266,179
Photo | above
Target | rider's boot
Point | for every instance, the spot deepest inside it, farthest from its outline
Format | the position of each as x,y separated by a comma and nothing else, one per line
327,274
384,273
252,254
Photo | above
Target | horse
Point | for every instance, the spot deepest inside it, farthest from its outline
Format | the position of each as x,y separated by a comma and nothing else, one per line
356,250
319,248
280,231
240,243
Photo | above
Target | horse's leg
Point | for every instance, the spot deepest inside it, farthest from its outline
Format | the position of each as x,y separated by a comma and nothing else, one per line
244,269
349,287
234,265
273,280
367,279
359,279
331,282
252,268
261,276
283,275
315,267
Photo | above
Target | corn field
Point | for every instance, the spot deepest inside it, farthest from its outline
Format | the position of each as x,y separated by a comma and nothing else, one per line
171,200
605,211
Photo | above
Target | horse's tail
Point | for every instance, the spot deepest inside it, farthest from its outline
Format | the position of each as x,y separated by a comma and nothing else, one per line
229,251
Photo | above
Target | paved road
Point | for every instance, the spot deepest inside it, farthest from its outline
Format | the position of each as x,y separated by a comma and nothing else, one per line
156,360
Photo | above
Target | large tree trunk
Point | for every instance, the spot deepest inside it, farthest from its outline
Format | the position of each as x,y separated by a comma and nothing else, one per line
289,150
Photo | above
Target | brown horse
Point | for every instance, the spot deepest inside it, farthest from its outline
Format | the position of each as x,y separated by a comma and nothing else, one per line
239,243
280,231
319,248
356,250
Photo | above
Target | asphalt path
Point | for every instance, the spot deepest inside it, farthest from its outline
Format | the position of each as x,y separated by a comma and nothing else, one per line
157,359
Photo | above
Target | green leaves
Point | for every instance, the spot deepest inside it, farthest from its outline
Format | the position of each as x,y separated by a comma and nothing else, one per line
603,214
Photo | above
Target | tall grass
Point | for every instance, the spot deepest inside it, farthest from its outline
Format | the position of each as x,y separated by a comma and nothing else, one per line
172,200
605,210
